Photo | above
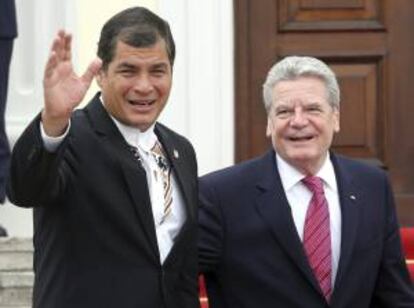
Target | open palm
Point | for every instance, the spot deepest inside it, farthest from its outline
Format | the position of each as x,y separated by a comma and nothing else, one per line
63,89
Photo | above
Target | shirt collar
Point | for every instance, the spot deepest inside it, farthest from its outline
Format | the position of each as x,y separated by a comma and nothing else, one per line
133,136
290,176
327,174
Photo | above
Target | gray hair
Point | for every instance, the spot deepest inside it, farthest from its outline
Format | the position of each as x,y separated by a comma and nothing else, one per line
293,67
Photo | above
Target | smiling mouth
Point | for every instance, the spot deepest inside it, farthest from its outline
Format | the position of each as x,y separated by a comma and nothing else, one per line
298,139
142,103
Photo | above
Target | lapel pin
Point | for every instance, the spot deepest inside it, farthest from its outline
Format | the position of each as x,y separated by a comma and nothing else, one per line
176,154
352,197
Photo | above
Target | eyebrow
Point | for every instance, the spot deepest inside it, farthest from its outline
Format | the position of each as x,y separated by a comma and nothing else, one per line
314,103
160,65
282,106
124,65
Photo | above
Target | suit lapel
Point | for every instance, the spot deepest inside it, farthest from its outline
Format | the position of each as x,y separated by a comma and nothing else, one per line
134,174
136,179
275,211
350,197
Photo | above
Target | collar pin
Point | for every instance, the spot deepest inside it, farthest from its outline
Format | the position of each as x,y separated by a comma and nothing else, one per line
176,154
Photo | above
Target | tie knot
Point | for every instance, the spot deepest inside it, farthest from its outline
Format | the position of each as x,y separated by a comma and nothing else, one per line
314,184
159,156
157,149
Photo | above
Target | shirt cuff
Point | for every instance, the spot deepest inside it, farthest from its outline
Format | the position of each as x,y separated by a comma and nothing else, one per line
52,143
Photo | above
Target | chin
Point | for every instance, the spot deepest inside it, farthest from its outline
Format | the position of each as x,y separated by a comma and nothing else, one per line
301,155
301,160
142,123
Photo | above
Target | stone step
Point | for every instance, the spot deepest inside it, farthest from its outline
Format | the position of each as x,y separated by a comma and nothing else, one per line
16,276
15,244
16,254
15,297
16,280
16,289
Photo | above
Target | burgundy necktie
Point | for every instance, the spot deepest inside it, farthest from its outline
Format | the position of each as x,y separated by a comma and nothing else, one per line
317,235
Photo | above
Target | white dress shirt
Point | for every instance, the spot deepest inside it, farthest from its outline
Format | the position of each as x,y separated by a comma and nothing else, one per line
171,225
299,197
144,141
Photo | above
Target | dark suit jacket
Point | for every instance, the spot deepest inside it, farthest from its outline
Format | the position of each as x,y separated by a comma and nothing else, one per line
252,256
8,24
95,241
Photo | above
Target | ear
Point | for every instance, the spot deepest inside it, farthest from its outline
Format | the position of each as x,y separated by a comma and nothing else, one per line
99,78
336,121
269,128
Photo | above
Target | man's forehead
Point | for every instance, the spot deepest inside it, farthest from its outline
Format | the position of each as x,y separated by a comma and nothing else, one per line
301,83
299,95
158,44
300,89
152,53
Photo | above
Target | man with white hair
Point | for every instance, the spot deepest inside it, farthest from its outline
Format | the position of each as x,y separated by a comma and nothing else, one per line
301,226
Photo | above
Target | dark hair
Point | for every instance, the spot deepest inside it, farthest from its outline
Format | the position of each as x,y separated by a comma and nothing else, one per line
137,27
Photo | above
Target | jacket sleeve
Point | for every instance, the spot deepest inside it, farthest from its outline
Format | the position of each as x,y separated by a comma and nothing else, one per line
34,175
394,287
210,243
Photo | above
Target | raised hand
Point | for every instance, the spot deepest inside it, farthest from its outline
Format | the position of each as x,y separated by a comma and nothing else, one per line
63,89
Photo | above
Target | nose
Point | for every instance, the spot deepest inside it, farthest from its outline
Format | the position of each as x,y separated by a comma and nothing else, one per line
143,84
298,118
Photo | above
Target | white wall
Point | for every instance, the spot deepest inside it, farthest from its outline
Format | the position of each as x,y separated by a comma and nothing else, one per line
37,23
201,102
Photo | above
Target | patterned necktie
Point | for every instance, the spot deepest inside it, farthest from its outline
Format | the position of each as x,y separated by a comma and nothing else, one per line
165,171
317,236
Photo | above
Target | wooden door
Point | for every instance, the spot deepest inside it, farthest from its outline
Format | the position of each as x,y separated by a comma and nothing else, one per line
370,46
